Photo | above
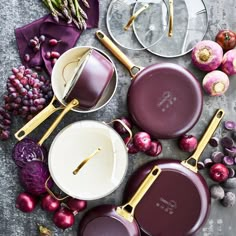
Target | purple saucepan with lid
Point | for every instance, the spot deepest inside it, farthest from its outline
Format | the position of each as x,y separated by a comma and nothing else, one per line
164,99
178,202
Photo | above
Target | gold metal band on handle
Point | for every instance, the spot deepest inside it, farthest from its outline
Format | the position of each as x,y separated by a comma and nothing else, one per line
191,162
127,210
135,15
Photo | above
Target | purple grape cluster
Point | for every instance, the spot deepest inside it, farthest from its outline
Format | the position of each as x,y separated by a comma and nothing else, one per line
5,123
27,92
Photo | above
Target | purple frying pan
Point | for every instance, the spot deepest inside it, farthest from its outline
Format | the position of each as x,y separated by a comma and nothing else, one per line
164,99
109,220
177,204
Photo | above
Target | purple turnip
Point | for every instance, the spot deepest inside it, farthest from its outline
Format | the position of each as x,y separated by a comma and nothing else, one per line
229,62
207,55
215,83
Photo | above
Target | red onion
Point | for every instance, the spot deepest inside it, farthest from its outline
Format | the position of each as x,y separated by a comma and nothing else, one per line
132,149
120,128
155,149
63,218
188,143
142,141
76,205
26,202
219,172
49,203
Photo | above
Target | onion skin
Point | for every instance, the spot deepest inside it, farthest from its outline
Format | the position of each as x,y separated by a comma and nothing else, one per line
229,62
26,202
63,218
215,83
207,55
76,205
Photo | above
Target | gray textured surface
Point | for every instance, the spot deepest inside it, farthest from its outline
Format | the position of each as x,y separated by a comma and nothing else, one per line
16,13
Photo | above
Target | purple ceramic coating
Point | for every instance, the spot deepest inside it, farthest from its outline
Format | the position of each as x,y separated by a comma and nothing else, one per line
165,100
104,220
217,157
227,142
227,160
179,198
93,80
214,141
229,125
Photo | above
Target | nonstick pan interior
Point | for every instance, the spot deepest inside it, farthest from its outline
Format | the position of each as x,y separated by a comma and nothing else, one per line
165,100
176,193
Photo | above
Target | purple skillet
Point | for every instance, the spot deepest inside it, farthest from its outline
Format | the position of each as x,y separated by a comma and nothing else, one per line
164,99
109,220
178,202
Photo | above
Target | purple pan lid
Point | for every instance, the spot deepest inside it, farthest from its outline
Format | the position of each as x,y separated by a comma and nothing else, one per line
176,204
165,100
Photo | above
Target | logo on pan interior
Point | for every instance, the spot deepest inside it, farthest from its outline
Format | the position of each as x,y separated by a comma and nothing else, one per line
166,101
167,206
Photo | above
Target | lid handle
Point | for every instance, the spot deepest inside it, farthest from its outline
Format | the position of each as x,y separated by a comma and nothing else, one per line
171,18
135,15
191,162
127,210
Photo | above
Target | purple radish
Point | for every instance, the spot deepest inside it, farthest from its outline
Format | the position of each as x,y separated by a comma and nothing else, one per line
229,62
227,142
231,172
214,142
215,83
208,162
200,165
229,161
229,125
231,151
217,157
207,55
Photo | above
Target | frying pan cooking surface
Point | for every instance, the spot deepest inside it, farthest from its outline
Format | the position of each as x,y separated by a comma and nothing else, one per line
165,100
169,198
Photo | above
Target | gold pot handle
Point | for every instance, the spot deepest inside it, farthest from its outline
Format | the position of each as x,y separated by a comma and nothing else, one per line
37,120
127,210
51,192
125,126
133,69
69,106
171,18
191,162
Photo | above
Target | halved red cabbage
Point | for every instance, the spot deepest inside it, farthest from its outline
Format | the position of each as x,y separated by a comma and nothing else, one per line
28,150
33,177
